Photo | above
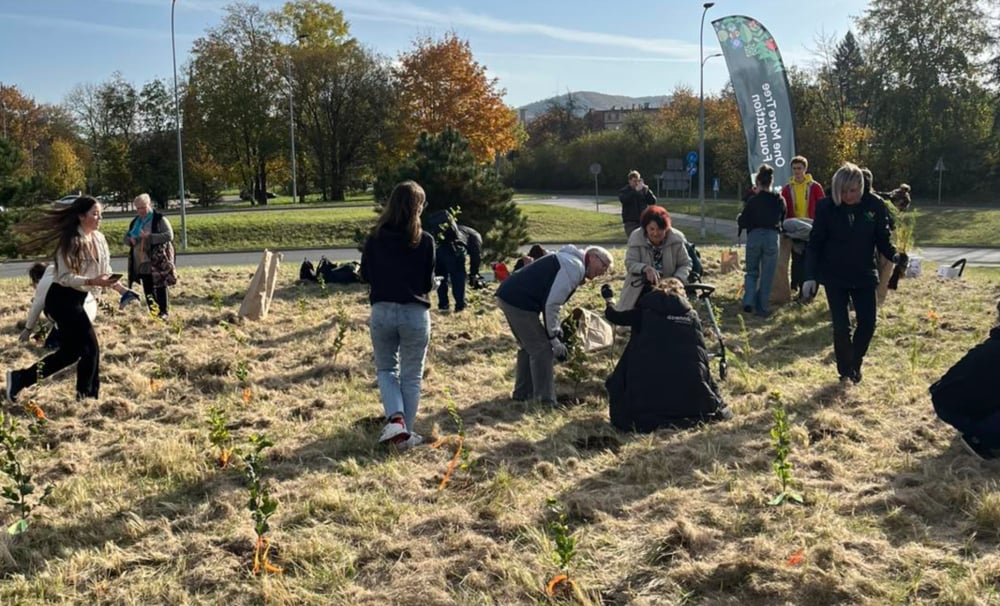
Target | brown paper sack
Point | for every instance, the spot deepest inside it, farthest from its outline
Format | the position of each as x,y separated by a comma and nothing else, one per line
593,331
730,261
257,301
781,287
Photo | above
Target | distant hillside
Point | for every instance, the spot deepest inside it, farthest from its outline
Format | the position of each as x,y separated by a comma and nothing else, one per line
590,100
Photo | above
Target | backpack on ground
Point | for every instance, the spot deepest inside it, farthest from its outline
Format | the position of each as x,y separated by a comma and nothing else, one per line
345,273
307,273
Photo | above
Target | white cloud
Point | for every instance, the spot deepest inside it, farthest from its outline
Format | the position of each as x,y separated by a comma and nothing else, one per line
601,58
402,12
87,27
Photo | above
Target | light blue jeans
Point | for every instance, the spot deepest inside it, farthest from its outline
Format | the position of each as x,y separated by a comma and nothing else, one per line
762,262
400,334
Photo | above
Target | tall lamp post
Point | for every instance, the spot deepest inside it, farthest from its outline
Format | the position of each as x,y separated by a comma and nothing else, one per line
291,128
701,115
291,121
177,120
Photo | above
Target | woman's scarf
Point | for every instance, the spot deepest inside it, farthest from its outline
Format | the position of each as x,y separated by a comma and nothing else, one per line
657,253
139,225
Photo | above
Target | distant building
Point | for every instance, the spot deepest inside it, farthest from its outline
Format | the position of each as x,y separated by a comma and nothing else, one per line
614,118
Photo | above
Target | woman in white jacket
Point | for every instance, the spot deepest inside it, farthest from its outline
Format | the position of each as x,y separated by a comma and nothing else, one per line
655,251
82,267
42,275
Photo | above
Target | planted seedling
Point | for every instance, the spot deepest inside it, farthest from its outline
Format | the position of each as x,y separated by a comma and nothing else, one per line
782,444
260,503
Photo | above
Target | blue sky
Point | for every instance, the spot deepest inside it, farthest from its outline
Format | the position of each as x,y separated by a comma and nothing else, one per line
537,49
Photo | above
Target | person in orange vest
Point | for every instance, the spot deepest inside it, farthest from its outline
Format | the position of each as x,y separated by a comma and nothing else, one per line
801,193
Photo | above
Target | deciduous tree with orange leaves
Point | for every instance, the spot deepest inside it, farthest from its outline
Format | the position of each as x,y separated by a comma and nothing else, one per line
441,86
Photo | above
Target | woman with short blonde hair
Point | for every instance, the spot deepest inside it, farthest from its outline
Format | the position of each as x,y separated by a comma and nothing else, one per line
848,228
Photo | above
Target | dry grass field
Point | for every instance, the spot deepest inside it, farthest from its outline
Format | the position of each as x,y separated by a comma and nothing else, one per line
894,512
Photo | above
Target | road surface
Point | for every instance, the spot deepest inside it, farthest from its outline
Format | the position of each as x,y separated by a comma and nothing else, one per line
989,257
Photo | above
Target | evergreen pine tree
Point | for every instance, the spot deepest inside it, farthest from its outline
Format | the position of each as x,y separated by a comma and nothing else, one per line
445,167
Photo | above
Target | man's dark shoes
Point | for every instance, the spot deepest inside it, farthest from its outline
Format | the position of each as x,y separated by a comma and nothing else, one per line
748,309
856,376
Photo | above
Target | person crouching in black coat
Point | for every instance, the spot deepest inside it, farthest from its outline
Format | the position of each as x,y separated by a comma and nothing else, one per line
966,397
662,378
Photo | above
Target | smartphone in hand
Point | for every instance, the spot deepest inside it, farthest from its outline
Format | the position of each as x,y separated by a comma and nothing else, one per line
115,277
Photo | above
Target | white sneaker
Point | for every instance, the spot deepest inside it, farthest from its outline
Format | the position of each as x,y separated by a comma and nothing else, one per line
394,431
415,439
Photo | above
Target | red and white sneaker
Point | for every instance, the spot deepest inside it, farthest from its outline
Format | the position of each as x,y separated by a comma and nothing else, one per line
394,431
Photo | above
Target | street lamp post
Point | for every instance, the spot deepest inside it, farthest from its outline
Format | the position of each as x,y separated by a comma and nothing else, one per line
291,128
701,115
291,120
177,120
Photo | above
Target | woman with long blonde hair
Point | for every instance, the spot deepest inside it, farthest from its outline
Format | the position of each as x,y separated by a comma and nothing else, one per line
398,264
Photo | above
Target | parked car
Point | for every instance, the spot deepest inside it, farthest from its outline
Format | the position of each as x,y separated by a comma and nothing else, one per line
245,195
67,200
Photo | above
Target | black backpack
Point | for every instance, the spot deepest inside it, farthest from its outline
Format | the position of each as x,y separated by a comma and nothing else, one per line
441,224
697,269
345,273
307,273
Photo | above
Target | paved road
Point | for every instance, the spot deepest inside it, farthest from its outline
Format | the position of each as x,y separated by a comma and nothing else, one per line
687,223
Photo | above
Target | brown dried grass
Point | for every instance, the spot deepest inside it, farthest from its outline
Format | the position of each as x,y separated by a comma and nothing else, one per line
895,511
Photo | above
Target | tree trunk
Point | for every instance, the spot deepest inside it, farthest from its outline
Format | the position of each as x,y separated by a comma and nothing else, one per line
261,179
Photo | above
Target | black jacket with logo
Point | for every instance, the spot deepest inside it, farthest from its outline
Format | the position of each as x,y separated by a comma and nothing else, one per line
843,241
662,378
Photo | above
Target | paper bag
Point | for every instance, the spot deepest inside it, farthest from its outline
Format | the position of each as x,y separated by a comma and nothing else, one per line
593,331
730,261
257,301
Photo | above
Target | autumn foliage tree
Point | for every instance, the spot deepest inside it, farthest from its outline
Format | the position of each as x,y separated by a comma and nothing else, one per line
63,170
442,86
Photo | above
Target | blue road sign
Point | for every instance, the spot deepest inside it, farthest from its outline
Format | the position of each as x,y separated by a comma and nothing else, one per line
692,169
692,157
715,184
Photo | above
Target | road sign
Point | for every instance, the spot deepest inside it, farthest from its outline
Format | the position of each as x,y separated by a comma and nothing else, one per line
715,184
595,169
940,164
692,157
692,169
